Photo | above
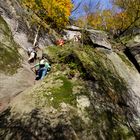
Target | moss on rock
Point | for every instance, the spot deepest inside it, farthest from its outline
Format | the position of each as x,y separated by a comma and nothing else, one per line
63,93
125,59
88,103
9,55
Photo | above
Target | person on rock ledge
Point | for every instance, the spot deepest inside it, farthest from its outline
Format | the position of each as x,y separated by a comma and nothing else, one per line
32,53
42,69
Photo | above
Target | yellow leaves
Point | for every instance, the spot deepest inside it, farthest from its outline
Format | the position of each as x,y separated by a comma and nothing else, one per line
96,21
60,11
53,11
30,4
130,11
122,16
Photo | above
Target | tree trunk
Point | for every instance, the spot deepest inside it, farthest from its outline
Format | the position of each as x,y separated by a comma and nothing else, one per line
36,36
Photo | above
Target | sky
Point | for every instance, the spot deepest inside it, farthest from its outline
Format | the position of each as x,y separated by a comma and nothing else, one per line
80,12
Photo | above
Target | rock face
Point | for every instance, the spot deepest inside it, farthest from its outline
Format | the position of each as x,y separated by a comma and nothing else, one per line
16,35
99,38
128,73
9,56
133,50
14,72
71,34
96,38
87,95
19,21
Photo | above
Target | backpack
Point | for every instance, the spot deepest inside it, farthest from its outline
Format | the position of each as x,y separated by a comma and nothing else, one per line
35,57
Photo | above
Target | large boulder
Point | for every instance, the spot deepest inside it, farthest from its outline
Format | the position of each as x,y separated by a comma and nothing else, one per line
71,31
95,37
99,38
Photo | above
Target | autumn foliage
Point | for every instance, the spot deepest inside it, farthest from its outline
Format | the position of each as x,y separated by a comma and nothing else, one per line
123,15
54,12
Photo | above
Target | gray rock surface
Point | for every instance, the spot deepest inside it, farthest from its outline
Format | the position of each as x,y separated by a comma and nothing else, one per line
135,50
99,38
132,79
18,21
133,46
15,73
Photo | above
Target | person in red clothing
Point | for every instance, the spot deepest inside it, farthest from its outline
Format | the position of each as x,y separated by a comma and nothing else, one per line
60,42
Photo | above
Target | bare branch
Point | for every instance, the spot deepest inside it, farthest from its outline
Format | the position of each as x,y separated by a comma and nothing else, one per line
78,5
